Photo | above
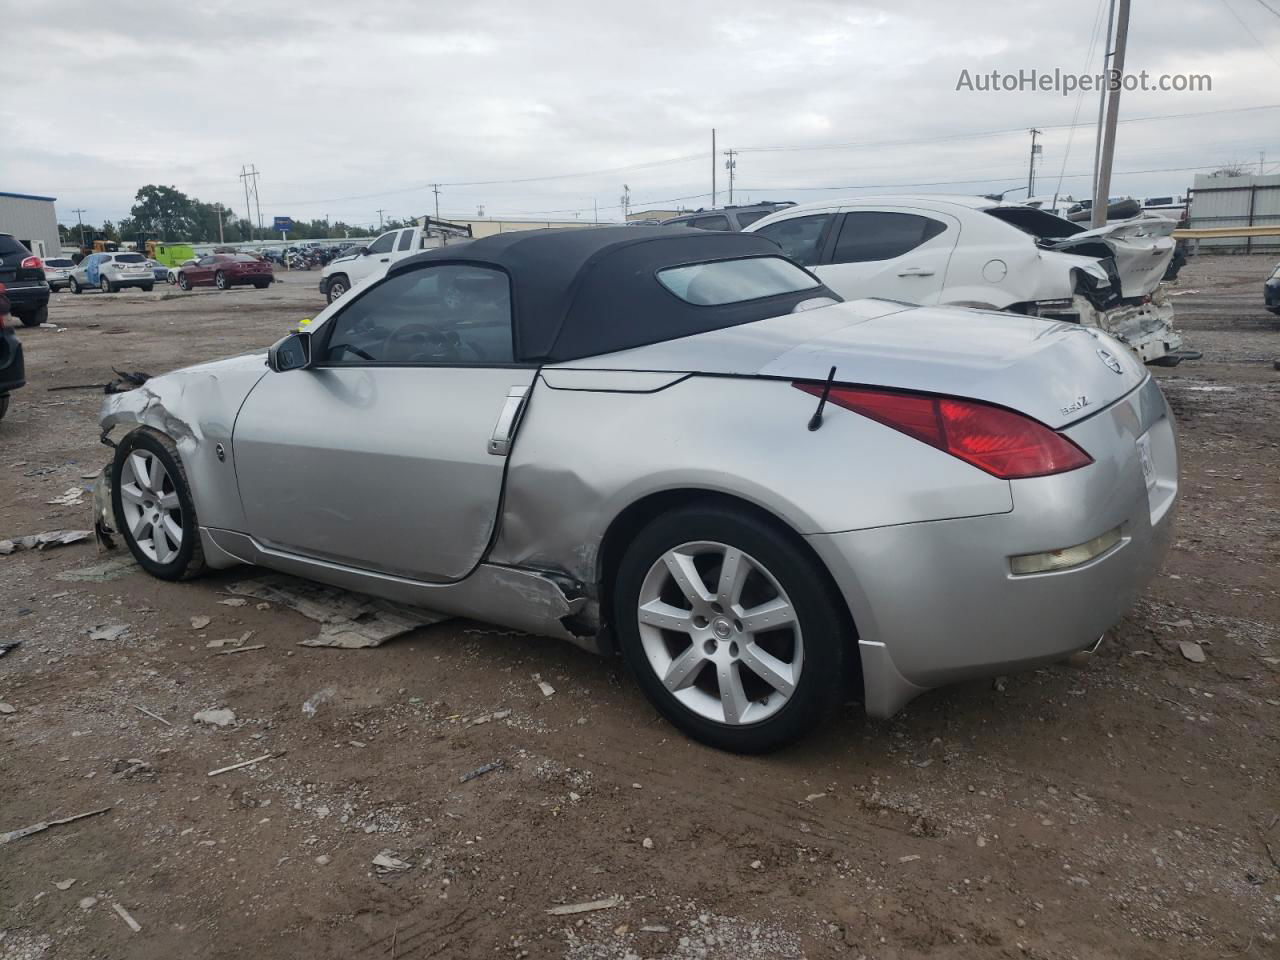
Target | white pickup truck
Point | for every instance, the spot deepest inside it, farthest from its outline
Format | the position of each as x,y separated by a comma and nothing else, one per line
363,263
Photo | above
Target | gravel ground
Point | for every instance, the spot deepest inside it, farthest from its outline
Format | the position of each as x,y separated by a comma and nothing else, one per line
1126,809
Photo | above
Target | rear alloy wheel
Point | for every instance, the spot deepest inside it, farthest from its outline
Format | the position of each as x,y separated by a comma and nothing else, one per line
730,628
337,288
183,282
152,504
220,281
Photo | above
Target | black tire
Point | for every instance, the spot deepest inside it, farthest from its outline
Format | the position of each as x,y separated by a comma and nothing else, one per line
339,283
262,284
148,287
220,281
189,559
106,286
4,404
823,620
36,317
74,285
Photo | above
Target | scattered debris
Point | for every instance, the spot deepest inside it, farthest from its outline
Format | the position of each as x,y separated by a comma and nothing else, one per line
7,645
546,688
252,646
1191,651
757,865
199,623
38,541
134,925
999,684
65,884
324,859
7,708
88,903
108,631
313,702
234,602
909,857
656,927
221,717
482,770
245,763
814,796
569,909
45,825
73,497
647,843
348,620
387,863
111,569
153,716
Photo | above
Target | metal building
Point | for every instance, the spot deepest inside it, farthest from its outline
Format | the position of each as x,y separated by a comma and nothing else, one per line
1247,201
32,220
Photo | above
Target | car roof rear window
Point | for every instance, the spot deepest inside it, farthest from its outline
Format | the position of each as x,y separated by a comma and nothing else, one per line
129,258
1039,223
718,282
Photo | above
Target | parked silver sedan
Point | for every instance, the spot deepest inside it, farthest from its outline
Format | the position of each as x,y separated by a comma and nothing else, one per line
681,447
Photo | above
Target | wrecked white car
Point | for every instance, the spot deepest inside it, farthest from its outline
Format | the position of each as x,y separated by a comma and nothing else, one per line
977,252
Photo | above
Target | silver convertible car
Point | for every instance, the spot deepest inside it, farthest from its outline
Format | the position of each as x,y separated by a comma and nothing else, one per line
677,446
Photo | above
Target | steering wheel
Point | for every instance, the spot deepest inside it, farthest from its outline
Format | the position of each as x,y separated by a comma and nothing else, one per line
435,345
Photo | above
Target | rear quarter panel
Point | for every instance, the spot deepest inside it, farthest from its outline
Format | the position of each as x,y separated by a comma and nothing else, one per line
582,456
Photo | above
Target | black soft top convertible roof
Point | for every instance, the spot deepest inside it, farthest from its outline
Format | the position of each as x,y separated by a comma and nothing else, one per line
582,292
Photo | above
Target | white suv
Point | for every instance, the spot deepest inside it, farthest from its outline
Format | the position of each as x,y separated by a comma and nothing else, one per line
111,272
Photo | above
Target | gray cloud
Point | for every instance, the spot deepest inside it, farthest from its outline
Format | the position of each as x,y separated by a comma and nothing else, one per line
337,100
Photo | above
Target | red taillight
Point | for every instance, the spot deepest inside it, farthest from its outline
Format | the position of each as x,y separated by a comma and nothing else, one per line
1001,442
33,263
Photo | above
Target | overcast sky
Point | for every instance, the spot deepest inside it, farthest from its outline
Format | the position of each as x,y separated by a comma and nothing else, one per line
346,107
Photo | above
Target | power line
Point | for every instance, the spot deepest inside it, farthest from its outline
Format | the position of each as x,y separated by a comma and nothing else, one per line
1249,30
994,133
1270,9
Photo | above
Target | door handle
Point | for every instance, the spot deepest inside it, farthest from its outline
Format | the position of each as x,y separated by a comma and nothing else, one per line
505,428
915,272
385,260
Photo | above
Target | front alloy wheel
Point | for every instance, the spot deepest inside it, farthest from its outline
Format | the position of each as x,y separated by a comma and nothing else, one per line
153,506
731,626
337,288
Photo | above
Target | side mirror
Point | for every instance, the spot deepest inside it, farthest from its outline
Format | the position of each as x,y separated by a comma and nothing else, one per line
291,353
361,251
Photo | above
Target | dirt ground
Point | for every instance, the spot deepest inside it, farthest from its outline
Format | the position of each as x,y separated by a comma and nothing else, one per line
1127,809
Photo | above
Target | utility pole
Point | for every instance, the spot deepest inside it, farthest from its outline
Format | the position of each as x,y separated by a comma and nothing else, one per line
1262,158
1102,98
1103,190
626,201
731,165
1031,169
435,188
595,210
78,211
249,174
380,213
218,206
714,164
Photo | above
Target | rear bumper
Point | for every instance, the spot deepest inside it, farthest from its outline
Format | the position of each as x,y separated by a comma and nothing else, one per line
13,372
131,281
1146,328
937,602
25,295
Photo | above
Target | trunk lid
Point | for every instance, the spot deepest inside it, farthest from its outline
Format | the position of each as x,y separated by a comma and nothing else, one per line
1141,249
1057,373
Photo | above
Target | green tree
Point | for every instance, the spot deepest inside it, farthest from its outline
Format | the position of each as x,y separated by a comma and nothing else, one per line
165,213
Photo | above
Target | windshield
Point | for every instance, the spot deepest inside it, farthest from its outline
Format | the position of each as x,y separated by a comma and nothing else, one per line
735,281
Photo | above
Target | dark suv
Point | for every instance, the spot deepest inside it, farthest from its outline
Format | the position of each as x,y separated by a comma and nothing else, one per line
22,274
731,219
12,372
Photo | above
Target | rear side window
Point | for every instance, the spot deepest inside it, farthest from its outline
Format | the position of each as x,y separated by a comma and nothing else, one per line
876,235
799,237
129,258
735,281
406,238
746,219
9,245
1039,223
717,222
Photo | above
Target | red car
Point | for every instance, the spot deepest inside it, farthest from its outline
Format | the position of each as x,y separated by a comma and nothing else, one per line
225,270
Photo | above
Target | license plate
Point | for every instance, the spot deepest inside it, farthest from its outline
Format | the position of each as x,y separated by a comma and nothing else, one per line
1148,465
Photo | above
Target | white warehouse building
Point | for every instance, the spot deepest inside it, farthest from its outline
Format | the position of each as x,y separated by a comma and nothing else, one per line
32,221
